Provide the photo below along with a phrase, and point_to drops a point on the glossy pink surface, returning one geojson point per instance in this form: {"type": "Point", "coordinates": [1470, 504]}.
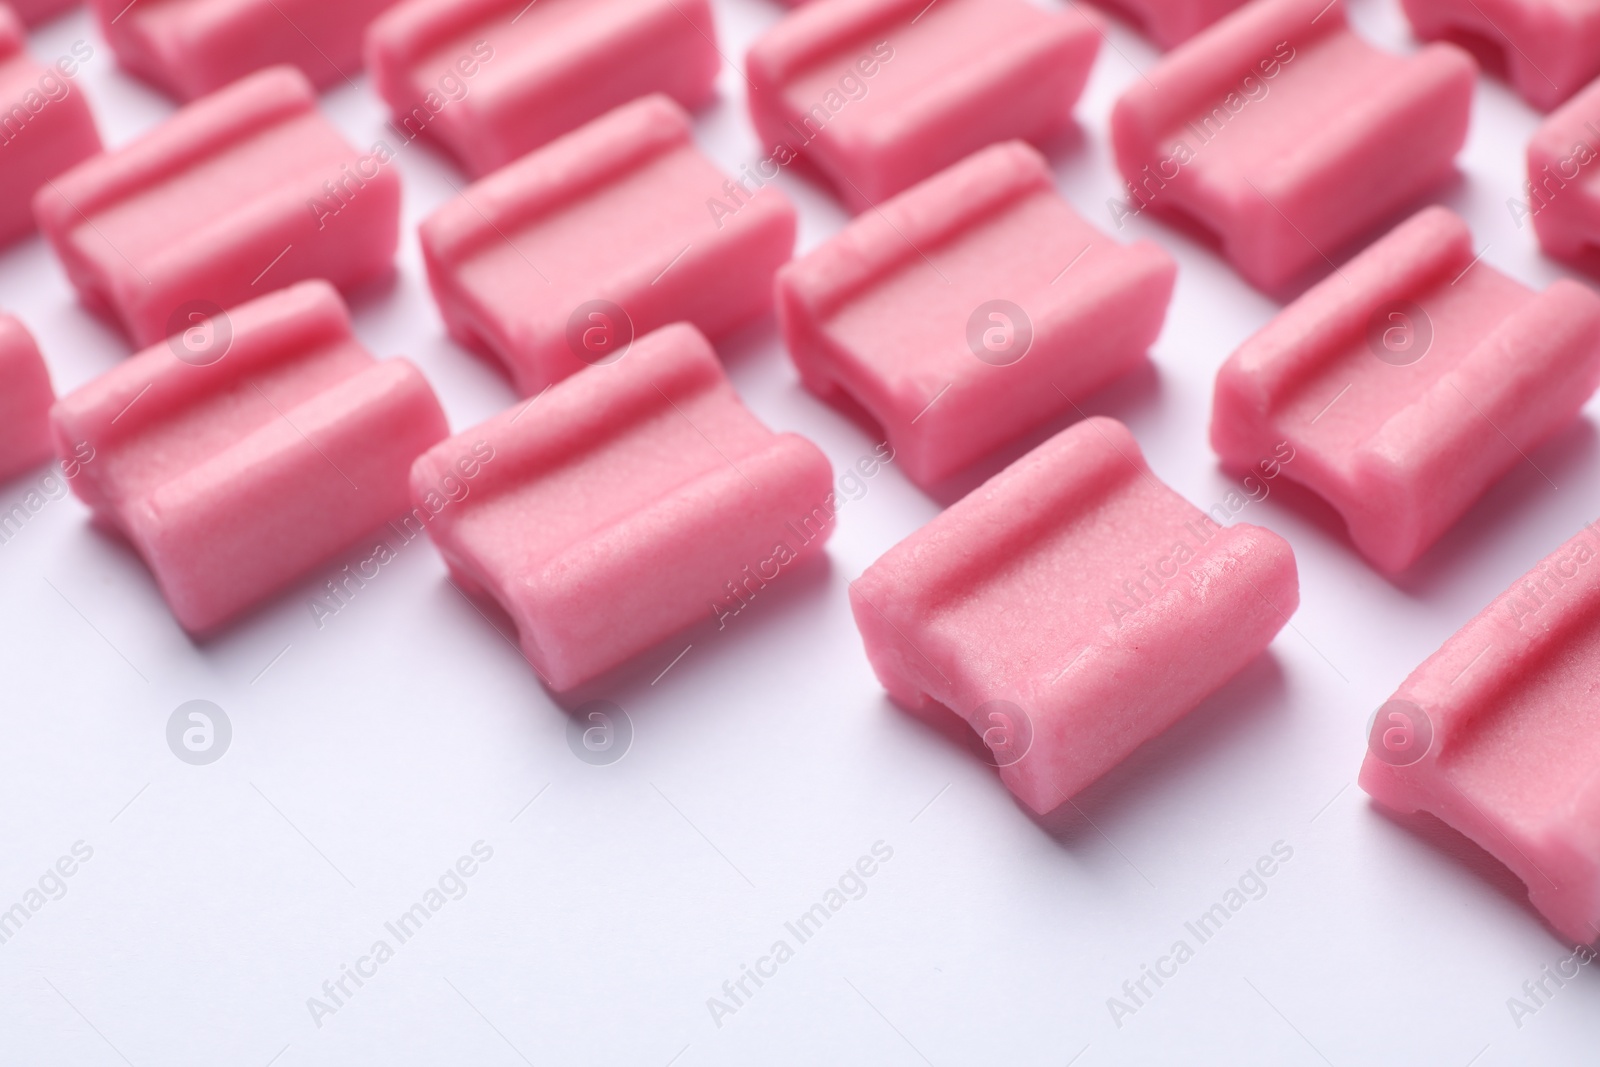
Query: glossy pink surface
{"type": "Point", "coordinates": [1409, 382]}
{"type": "Point", "coordinates": [25, 399]}
{"type": "Point", "coordinates": [490, 80]}
{"type": "Point", "coordinates": [901, 311]}
{"type": "Point", "coordinates": [1498, 734]}
{"type": "Point", "coordinates": [240, 193]}
{"type": "Point", "coordinates": [239, 455]}
{"type": "Point", "coordinates": [1071, 608]}
{"type": "Point", "coordinates": [1287, 136]}
{"type": "Point", "coordinates": [603, 235]}
{"type": "Point", "coordinates": [875, 95]}
{"type": "Point", "coordinates": [630, 501]}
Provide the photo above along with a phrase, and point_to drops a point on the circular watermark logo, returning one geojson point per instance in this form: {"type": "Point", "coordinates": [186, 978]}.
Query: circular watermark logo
{"type": "Point", "coordinates": [1003, 733]}
{"type": "Point", "coordinates": [599, 732]}
{"type": "Point", "coordinates": [199, 732]}
{"type": "Point", "coordinates": [999, 332]}
{"type": "Point", "coordinates": [599, 332]}
{"type": "Point", "coordinates": [1400, 733]}
{"type": "Point", "coordinates": [1399, 332]}
{"type": "Point", "coordinates": [199, 332]}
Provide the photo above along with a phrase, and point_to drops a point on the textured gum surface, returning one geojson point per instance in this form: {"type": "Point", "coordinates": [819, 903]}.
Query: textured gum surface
{"type": "Point", "coordinates": [245, 191]}
{"type": "Point", "coordinates": [1171, 22]}
{"type": "Point", "coordinates": [1549, 49]}
{"type": "Point", "coordinates": [868, 314]}
{"type": "Point", "coordinates": [1514, 759]}
{"type": "Point", "coordinates": [1057, 583]}
{"type": "Point", "coordinates": [45, 129]}
{"type": "Point", "coordinates": [188, 48]}
{"type": "Point", "coordinates": [33, 12]}
{"type": "Point", "coordinates": [628, 502]}
{"type": "Point", "coordinates": [946, 79]}
{"type": "Point", "coordinates": [615, 211]}
{"type": "Point", "coordinates": [234, 477]}
{"type": "Point", "coordinates": [1403, 450]}
{"type": "Point", "coordinates": [1563, 199]}
{"type": "Point", "coordinates": [491, 80]}
{"type": "Point", "coordinates": [25, 399]}
{"type": "Point", "coordinates": [1287, 136]}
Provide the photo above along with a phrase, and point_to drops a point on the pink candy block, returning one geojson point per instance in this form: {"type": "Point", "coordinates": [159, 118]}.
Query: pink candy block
{"type": "Point", "coordinates": [1070, 609]}
{"type": "Point", "coordinates": [45, 125]}
{"type": "Point", "coordinates": [970, 308]}
{"type": "Point", "coordinates": [607, 233]}
{"type": "Point", "coordinates": [234, 476]}
{"type": "Point", "coordinates": [25, 399]}
{"type": "Point", "coordinates": [33, 12]}
{"type": "Point", "coordinates": [188, 48]}
{"type": "Point", "coordinates": [1498, 735]}
{"type": "Point", "coordinates": [630, 501]}
{"type": "Point", "coordinates": [1409, 382]}
{"type": "Point", "coordinates": [1288, 136]}
{"type": "Point", "coordinates": [1171, 22]}
{"type": "Point", "coordinates": [245, 191]}
{"type": "Point", "coordinates": [878, 94]}
{"type": "Point", "coordinates": [1561, 195]}
{"type": "Point", "coordinates": [490, 80]}
{"type": "Point", "coordinates": [1548, 48]}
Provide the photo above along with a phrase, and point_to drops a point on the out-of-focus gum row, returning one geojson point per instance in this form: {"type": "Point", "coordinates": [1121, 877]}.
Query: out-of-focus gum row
{"type": "Point", "coordinates": [1071, 607]}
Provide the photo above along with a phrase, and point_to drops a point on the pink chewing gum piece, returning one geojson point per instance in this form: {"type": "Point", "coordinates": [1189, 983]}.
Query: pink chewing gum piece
{"type": "Point", "coordinates": [970, 309]}
{"type": "Point", "coordinates": [25, 399]}
{"type": "Point", "coordinates": [559, 260]}
{"type": "Point", "coordinates": [1498, 735]}
{"type": "Point", "coordinates": [33, 12]}
{"type": "Point", "coordinates": [1171, 22]}
{"type": "Point", "coordinates": [1562, 196]}
{"type": "Point", "coordinates": [240, 454]}
{"type": "Point", "coordinates": [245, 191]}
{"type": "Point", "coordinates": [1548, 49]}
{"type": "Point", "coordinates": [1287, 136]}
{"type": "Point", "coordinates": [45, 128]}
{"type": "Point", "coordinates": [491, 80]}
{"type": "Point", "coordinates": [1070, 609]}
{"type": "Point", "coordinates": [631, 501]}
{"type": "Point", "coordinates": [188, 48]}
{"type": "Point", "coordinates": [876, 95]}
{"type": "Point", "coordinates": [1409, 383]}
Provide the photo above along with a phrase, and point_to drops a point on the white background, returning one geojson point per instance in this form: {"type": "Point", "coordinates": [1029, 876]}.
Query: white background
{"type": "Point", "coordinates": [378, 749]}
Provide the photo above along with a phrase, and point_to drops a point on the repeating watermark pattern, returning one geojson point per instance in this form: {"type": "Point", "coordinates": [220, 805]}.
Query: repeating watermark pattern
{"type": "Point", "coordinates": [599, 332]}
{"type": "Point", "coordinates": [850, 486]}
{"type": "Point", "coordinates": [1003, 734]}
{"type": "Point", "coordinates": [199, 332]}
{"type": "Point", "coordinates": [452, 88]}
{"type": "Point", "coordinates": [199, 732]}
{"type": "Point", "coordinates": [1399, 332]}
{"type": "Point", "coordinates": [341, 590]}
{"type": "Point", "coordinates": [599, 733]}
{"type": "Point", "coordinates": [999, 332]}
{"type": "Point", "coordinates": [337, 992]}
{"type": "Point", "coordinates": [1400, 733]}
{"type": "Point", "coordinates": [1137, 992]}
{"type": "Point", "coordinates": [736, 993]}
{"type": "Point", "coordinates": [53, 86]}
{"type": "Point", "coordinates": [1538, 992]}
{"type": "Point", "coordinates": [1136, 592]}
{"type": "Point", "coordinates": [1202, 131]}
{"type": "Point", "coordinates": [51, 486]}
{"type": "Point", "coordinates": [51, 885]}
{"type": "Point", "coordinates": [851, 86]}
{"type": "Point", "coordinates": [1538, 194]}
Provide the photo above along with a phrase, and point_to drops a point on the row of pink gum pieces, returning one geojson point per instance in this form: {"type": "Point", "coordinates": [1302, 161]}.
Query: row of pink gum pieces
{"type": "Point", "coordinates": [819, 310]}
{"type": "Point", "coordinates": [846, 89]}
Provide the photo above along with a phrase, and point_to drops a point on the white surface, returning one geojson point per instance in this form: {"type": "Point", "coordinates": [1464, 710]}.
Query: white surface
{"type": "Point", "coordinates": [379, 748]}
